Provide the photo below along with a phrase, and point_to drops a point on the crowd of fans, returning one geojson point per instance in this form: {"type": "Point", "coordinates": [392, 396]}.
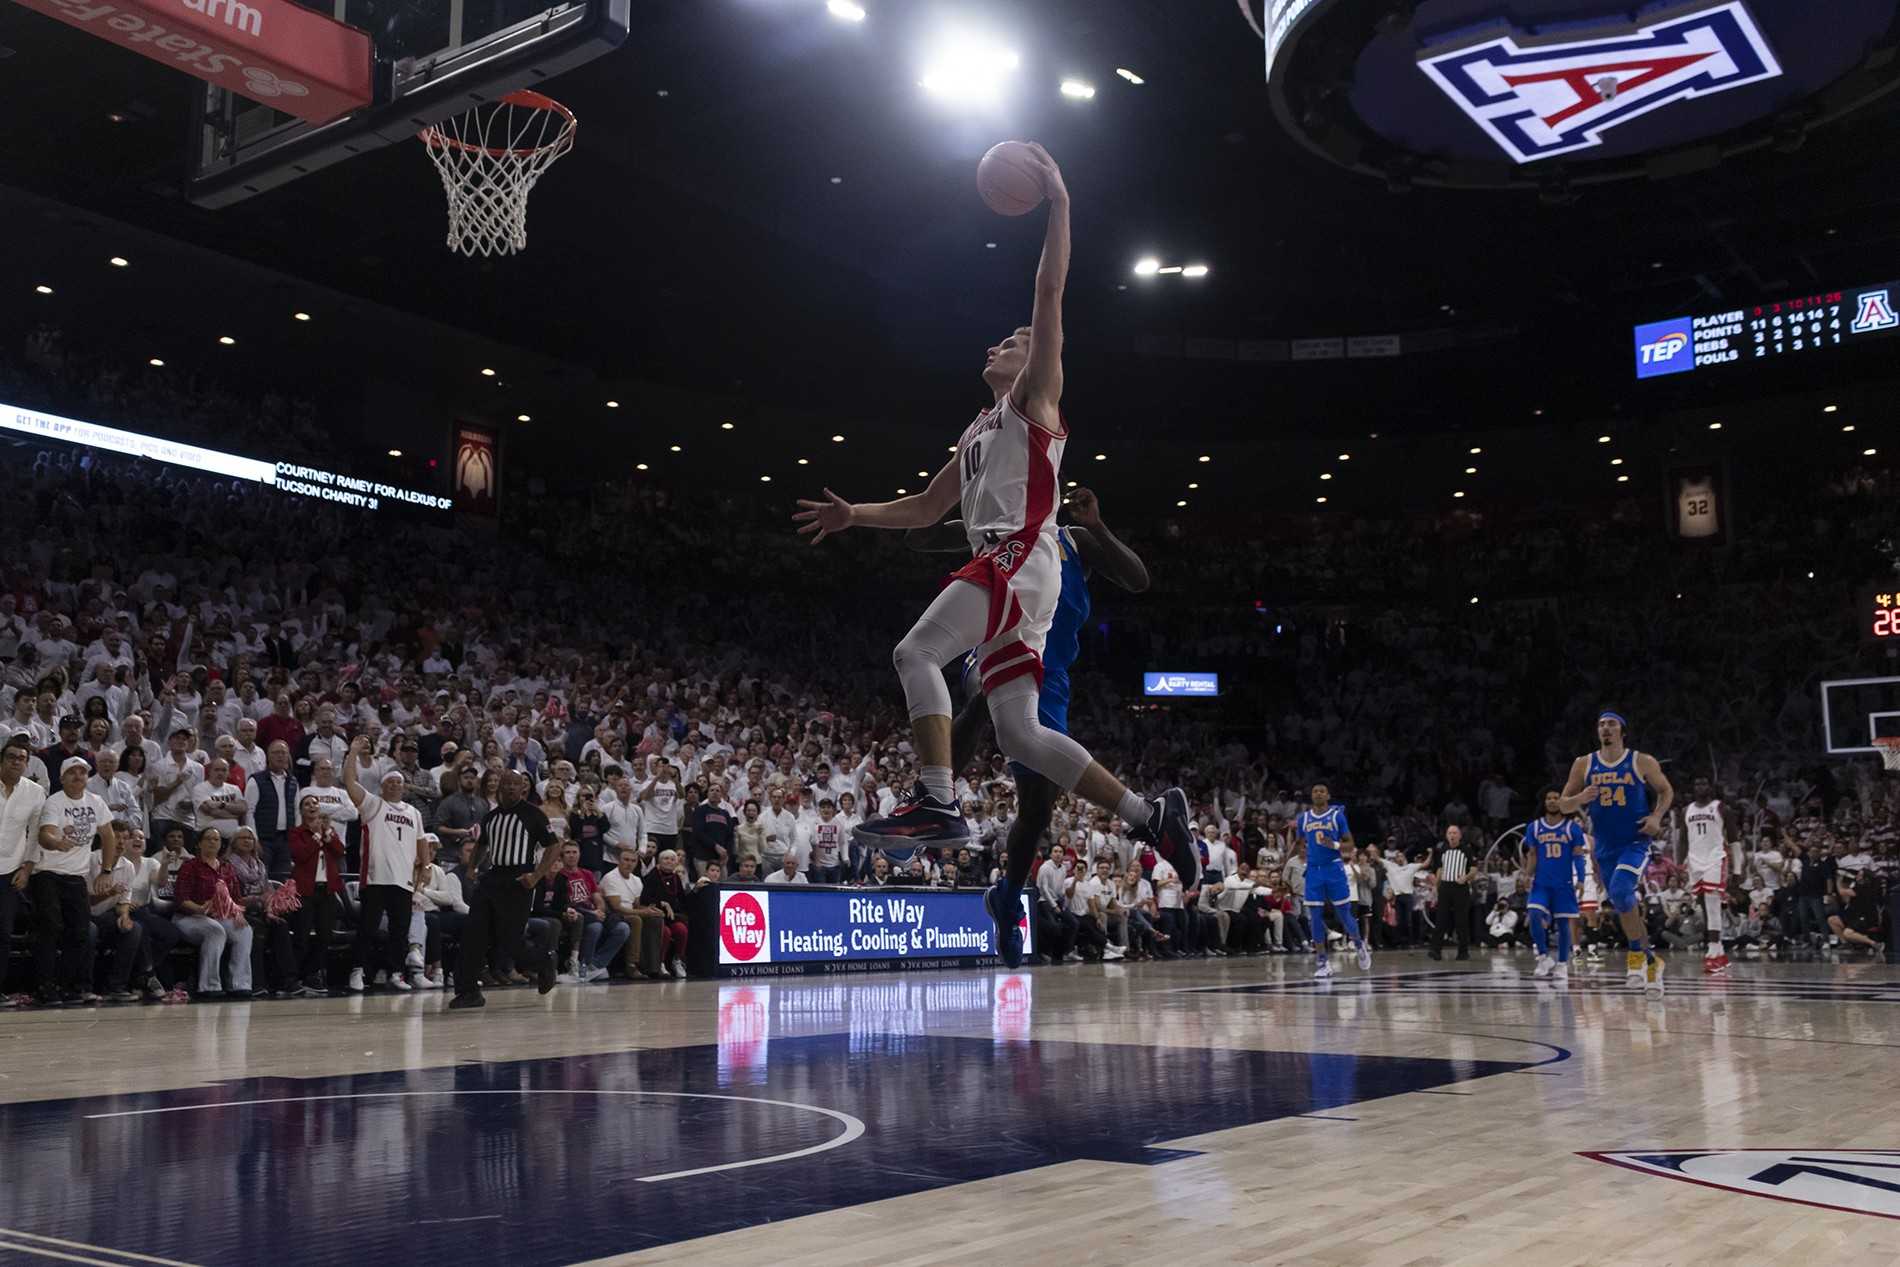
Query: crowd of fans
{"type": "Point", "coordinates": [228, 668]}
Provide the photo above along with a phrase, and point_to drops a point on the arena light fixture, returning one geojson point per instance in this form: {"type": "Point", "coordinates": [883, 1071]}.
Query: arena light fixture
{"type": "Point", "coordinates": [639, 466]}
{"type": "Point", "coordinates": [1471, 470]}
{"type": "Point", "coordinates": [1474, 600]}
{"type": "Point", "coordinates": [903, 492]}
{"type": "Point", "coordinates": [1319, 501]}
{"type": "Point", "coordinates": [523, 418]}
{"type": "Point", "coordinates": [1715, 426]}
{"type": "Point", "coordinates": [118, 261]}
{"type": "Point", "coordinates": [1622, 479]}
{"type": "Point", "coordinates": [613, 404]}
{"type": "Point", "coordinates": [673, 448]}
{"type": "Point", "coordinates": [923, 475]}
{"type": "Point", "coordinates": [1206, 457]}
{"type": "Point", "coordinates": [1169, 271]}
{"type": "Point", "coordinates": [1475, 450]}
{"type": "Point", "coordinates": [1192, 486]}
{"type": "Point", "coordinates": [837, 439]}
{"type": "Point", "coordinates": [1326, 475]}
{"type": "Point", "coordinates": [1345, 457]}
{"type": "Point", "coordinates": [395, 453]}
{"type": "Point", "coordinates": [1810, 576]}
{"type": "Point", "coordinates": [725, 426]}
{"type": "Point", "coordinates": [1101, 457]}
{"type": "Point", "coordinates": [1078, 90]}
{"type": "Point", "coordinates": [1130, 76]}
{"type": "Point", "coordinates": [155, 362]}
{"type": "Point", "coordinates": [1459, 493]}
{"type": "Point", "coordinates": [765, 479]}
{"type": "Point", "coordinates": [804, 461]}
{"type": "Point", "coordinates": [1848, 427]}
{"type": "Point", "coordinates": [487, 373]}
{"type": "Point", "coordinates": [300, 316]}
{"type": "Point", "coordinates": [844, 10]}
{"type": "Point", "coordinates": [1616, 461]}
{"type": "Point", "coordinates": [43, 289]}
{"type": "Point", "coordinates": [1828, 409]}
{"type": "Point", "coordinates": [1867, 453]}
{"type": "Point", "coordinates": [1603, 439]}
{"type": "Point", "coordinates": [837, 180]}
{"type": "Point", "coordinates": [227, 340]}
{"type": "Point", "coordinates": [1194, 270]}
{"type": "Point", "coordinates": [1071, 483]}
{"type": "Point", "coordinates": [1180, 504]}
{"type": "Point", "coordinates": [1148, 266]}
{"type": "Point", "coordinates": [968, 70]}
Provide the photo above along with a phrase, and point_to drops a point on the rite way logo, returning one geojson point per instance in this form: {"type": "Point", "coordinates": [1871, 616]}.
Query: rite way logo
{"type": "Point", "coordinates": [742, 926]}
{"type": "Point", "coordinates": [1539, 98]}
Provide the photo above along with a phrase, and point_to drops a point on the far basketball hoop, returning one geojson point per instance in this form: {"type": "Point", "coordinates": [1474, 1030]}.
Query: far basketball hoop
{"type": "Point", "coordinates": [489, 159]}
{"type": "Point", "coordinates": [1889, 752]}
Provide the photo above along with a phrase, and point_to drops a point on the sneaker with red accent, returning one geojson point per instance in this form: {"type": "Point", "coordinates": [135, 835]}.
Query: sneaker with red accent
{"type": "Point", "coordinates": [919, 819]}
{"type": "Point", "coordinates": [1715, 966]}
{"type": "Point", "coordinates": [1171, 832]}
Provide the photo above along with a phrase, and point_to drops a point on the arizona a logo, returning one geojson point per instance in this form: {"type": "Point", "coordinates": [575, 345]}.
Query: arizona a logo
{"type": "Point", "coordinates": [1539, 98]}
{"type": "Point", "coordinates": [1874, 312]}
{"type": "Point", "coordinates": [1855, 1180]}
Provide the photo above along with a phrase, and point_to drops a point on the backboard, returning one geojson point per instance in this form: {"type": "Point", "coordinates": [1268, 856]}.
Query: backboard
{"type": "Point", "coordinates": [1856, 711]}
{"type": "Point", "coordinates": [432, 59]}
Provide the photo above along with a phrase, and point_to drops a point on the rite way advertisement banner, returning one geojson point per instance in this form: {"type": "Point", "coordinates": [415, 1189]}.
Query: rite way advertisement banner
{"type": "Point", "coordinates": [798, 924]}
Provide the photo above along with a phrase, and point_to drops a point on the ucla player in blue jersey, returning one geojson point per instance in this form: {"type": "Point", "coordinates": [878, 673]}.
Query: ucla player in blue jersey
{"type": "Point", "coordinates": [1554, 866]}
{"type": "Point", "coordinates": [1086, 546]}
{"type": "Point", "coordinates": [1627, 798]}
{"type": "Point", "coordinates": [1328, 844]}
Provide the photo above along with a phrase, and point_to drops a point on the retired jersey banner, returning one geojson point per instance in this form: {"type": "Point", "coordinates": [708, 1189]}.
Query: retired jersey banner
{"type": "Point", "coordinates": [476, 472]}
{"type": "Point", "coordinates": [806, 928]}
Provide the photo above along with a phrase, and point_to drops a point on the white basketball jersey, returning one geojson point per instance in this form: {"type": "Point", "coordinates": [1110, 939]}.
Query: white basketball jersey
{"type": "Point", "coordinates": [1704, 826]}
{"type": "Point", "coordinates": [1008, 467]}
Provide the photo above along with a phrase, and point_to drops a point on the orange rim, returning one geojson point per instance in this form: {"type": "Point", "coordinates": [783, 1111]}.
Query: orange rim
{"type": "Point", "coordinates": [527, 99]}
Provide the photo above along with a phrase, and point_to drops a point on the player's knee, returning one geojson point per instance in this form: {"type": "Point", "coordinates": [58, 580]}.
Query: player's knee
{"type": "Point", "coordinates": [1622, 891]}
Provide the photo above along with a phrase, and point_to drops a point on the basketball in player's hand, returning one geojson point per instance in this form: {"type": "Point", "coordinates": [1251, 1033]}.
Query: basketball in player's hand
{"type": "Point", "coordinates": [1009, 179]}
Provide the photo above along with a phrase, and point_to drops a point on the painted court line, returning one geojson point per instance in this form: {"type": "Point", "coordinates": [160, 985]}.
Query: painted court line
{"type": "Point", "coordinates": [853, 1126]}
{"type": "Point", "coordinates": [10, 1238]}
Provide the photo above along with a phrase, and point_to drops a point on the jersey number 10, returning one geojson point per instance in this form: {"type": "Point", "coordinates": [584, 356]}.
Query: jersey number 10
{"type": "Point", "coordinates": [972, 460]}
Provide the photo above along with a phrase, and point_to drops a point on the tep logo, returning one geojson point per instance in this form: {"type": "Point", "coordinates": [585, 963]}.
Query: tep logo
{"type": "Point", "coordinates": [1665, 347]}
{"type": "Point", "coordinates": [1540, 96]}
{"type": "Point", "coordinates": [742, 927]}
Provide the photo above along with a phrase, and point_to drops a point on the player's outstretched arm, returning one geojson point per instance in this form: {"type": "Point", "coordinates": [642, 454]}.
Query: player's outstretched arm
{"type": "Point", "coordinates": [1650, 772]}
{"type": "Point", "coordinates": [1102, 551]}
{"type": "Point", "coordinates": [1577, 791]}
{"type": "Point", "coordinates": [819, 520]}
{"type": "Point", "coordinates": [1038, 390]}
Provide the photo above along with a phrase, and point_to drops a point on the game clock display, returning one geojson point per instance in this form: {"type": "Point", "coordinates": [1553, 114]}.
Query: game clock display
{"type": "Point", "coordinates": [1880, 616]}
{"type": "Point", "coordinates": [1760, 332]}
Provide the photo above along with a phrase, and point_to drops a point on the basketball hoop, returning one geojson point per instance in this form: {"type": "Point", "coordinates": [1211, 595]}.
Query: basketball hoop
{"type": "Point", "coordinates": [489, 159]}
{"type": "Point", "coordinates": [1889, 752]}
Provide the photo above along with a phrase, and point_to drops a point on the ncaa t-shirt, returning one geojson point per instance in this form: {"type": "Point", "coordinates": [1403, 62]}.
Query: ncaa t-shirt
{"type": "Point", "coordinates": [78, 819]}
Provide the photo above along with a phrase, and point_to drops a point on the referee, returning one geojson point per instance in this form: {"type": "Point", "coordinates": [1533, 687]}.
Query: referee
{"type": "Point", "coordinates": [516, 847]}
{"type": "Point", "coordinates": [1453, 867]}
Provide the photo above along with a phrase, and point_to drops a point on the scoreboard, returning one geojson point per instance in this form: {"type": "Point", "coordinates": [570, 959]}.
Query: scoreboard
{"type": "Point", "coordinates": [1880, 615]}
{"type": "Point", "coordinates": [1794, 326]}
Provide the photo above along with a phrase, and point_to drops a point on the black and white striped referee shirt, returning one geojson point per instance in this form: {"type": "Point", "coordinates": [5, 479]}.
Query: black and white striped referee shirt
{"type": "Point", "coordinates": [514, 836]}
{"type": "Point", "coordinates": [1453, 865]}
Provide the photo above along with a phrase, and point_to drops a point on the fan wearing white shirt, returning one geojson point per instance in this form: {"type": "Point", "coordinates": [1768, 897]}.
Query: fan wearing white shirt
{"type": "Point", "coordinates": [393, 850]}
{"type": "Point", "coordinates": [788, 872]}
{"type": "Point", "coordinates": [1057, 925]}
{"type": "Point", "coordinates": [1088, 902]}
{"type": "Point", "coordinates": [21, 803]}
{"type": "Point", "coordinates": [114, 928]}
{"type": "Point", "coordinates": [170, 779]}
{"type": "Point", "coordinates": [61, 855]}
{"type": "Point", "coordinates": [219, 803]}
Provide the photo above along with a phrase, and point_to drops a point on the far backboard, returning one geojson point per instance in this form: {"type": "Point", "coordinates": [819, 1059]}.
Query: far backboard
{"type": "Point", "coordinates": [1857, 711]}
{"type": "Point", "coordinates": [433, 59]}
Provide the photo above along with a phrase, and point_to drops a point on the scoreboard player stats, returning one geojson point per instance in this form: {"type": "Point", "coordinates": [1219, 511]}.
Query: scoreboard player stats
{"type": "Point", "coordinates": [1754, 334]}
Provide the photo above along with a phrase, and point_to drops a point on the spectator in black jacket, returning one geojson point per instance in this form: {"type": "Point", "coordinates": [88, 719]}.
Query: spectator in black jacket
{"type": "Point", "coordinates": [709, 826]}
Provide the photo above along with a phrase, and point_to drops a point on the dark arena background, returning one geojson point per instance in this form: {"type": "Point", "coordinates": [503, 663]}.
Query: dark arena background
{"type": "Point", "coordinates": [517, 664]}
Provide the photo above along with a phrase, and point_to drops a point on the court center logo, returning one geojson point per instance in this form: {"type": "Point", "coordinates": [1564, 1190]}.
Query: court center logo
{"type": "Point", "coordinates": [1665, 347]}
{"type": "Point", "coordinates": [744, 935]}
{"type": "Point", "coordinates": [1857, 1181]}
{"type": "Point", "coordinates": [1542, 97]}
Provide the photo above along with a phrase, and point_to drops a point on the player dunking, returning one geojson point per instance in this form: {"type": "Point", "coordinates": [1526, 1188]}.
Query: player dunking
{"type": "Point", "coordinates": [1553, 861]}
{"type": "Point", "coordinates": [1086, 546]}
{"type": "Point", "coordinates": [1327, 837]}
{"type": "Point", "coordinates": [1005, 473]}
{"type": "Point", "coordinates": [1706, 826]}
{"type": "Point", "coordinates": [1614, 784]}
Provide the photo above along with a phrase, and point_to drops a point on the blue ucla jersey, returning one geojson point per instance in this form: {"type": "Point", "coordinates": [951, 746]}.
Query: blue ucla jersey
{"type": "Point", "coordinates": [1559, 850]}
{"type": "Point", "coordinates": [1622, 802]}
{"type": "Point", "coordinates": [1064, 642]}
{"type": "Point", "coordinates": [1322, 833]}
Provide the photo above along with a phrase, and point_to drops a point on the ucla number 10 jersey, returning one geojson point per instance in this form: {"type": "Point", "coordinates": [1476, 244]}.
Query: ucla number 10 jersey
{"type": "Point", "coordinates": [1559, 850]}
{"type": "Point", "coordinates": [1322, 833]}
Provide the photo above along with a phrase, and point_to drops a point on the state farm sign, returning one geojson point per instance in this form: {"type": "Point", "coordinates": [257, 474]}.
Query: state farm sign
{"type": "Point", "coordinates": [272, 51]}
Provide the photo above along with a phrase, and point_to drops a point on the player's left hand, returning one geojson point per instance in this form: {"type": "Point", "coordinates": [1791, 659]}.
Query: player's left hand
{"type": "Point", "coordinates": [1084, 509]}
{"type": "Point", "coordinates": [823, 518]}
{"type": "Point", "coordinates": [1651, 826]}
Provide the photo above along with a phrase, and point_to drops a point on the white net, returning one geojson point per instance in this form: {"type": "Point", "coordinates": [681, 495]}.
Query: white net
{"type": "Point", "coordinates": [489, 159]}
{"type": "Point", "coordinates": [1889, 752]}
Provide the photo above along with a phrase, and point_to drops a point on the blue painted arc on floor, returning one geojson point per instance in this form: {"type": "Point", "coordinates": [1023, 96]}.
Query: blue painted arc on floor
{"type": "Point", "coordinates": [539, 1162]}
